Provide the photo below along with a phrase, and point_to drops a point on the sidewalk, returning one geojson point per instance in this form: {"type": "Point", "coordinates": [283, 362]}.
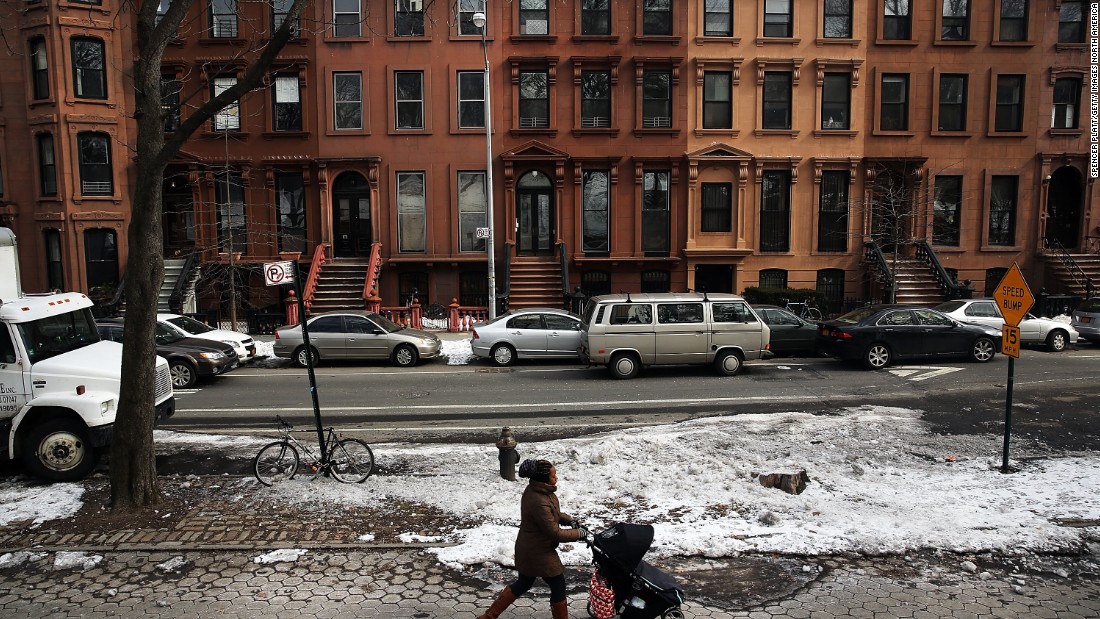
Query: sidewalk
{"type": "Point", "coordinates": [215, 548]}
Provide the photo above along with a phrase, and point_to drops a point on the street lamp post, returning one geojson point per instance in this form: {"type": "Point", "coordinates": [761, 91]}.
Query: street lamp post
{"type": "Point", "coordinates": [480, 21]}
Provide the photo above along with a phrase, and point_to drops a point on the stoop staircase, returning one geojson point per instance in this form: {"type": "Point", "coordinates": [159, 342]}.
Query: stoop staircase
{"type": "Point", "coordinates": [1072, 280]}
{"type": "Point", "coordinates": [534, 283]}
{"type": "Point", "coordinates": [340, 286]}
{"type": "Point", "coordinates": [173, 270]}
{"type": "Point", "coordinates": [916, 284]}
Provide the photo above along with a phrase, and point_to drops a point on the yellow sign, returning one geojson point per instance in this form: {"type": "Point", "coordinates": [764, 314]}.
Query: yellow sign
{"type": "Point", "coordinates": [1010, 341]}
{"type": "Point", "coordinates": [1013, 296]}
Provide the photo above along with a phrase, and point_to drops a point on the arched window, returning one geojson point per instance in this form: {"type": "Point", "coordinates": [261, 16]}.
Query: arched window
{"type": "Point", "coordinates": [773, 278]}
{"type": "Point", "coordinates": [96, 178]}
{"type": "Point", "coordinates": [830, 282]}
{"type": "Point", "coordinates": [992, 278]}
{"type": "Point", "coordinates": [89, 68]}
{"type": "Point", "coordinates": [656, 281]}
{"type": "Point", "coordinates": [595, 283]}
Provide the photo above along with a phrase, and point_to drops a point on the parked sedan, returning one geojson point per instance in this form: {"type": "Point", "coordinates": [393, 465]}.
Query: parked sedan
{"type": "Point", "coordinates": [1086, 319]}
{"type": "Point", "coordinates": [356, 335]}
{"type": "Point", "coordinates": [878, 335]}
{"type": "Point", "coordinates": [189, 327]}
{"type": "Point", "coordinates": [536, 333]}
{"type": "Point", "coordinates": [791, 335]}
{"type": "Point", "coordinates": [189, 358]}
{"type": "Point", "coordinates": [1053, 334]}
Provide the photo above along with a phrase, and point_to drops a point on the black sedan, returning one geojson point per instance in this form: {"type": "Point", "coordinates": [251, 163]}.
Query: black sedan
{"type": "Point", "coordinates": [790, 334]}
{"type": "Point", "coordinates": [189, 358]}
{"type": "Point", "coordinates": [877, 335]}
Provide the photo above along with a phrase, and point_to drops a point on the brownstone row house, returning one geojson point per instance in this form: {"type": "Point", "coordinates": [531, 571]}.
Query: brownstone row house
{"type": "Point", "coordinates": [637, 145]}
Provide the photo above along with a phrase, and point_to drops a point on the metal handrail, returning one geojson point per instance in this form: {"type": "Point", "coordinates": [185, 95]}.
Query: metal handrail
{"type": "Point", "coordinates": [563, 258]}
{"type": "Point", "coordinates": [314, 273]}
{"type": "Point", "coordinates": [951, 288]}
{"type": "Point", "coordinates": [175, 300]}
{"type": "Point", "coordinates": [1075, 271]}
{"type": "Point", "coordinates": [873, 254]}
{"type": "Point", "coordinates": [506, 289]}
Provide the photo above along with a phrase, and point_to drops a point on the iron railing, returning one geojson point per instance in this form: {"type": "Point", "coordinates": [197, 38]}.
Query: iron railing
{"type": "Point", "coordinates": [951, 288]}
{"type": "Point", "coordinates": [1082, 279]}
{"type": "Point", "coordinates": [873, 255]}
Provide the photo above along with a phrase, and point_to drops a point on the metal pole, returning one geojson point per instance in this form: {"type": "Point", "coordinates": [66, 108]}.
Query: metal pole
{"type": "Point", "coordinates": [490, 251]}
{"type": "Point", "coordinates": [1008, 413]}
{"type": "Point", "coordinates": [309, 364]}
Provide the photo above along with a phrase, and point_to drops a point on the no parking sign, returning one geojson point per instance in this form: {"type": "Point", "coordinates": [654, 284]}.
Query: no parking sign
{"type": "Point", "coordinates": [278, 273]}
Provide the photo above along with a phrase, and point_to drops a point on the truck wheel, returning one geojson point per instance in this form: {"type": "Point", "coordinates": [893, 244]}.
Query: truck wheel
{"type": "Point", "coordinates": [624, 366]}
{"type": "Point", "coordinates": [59, 450]}
{"type": "Point", "coordinates": [184, 375]}
{"type": "Point", "coordinates": [728, 363]}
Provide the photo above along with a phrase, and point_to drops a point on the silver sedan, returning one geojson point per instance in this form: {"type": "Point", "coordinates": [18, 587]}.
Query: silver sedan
{"type": "Point", "coordinates": [356, 335]}
{"type": "Point", "coordinates": [535, 333]}
{"type": "Point", "coordinates": [1053, 334]}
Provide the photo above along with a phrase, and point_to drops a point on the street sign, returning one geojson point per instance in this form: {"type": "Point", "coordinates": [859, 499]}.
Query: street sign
{"type": "Point", "coordinates": [482, 233]}
{"type": "Point", "coordinates": [1010, 341]}
{"type": "Point", "coordinates": [1013, 296]}
{"type": "Point", "coordinates": [278, 273]}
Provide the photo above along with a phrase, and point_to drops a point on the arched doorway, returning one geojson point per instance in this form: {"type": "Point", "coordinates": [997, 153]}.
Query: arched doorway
{"type": "Point", "coordinates": [351, 220]}
{"type": "Point", "coordinates": [535, 215]}
{"type": "Point", "coordinates": [1064, 206]}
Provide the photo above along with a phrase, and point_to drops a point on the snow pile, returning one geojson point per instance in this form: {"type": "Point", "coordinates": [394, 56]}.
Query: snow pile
{"type": "Point", "coordinates": [457, 352]}
{"type": "Point", "coordinates": [36, 502]}
{"type": "Point", "coordinates": [83, 561]}
{"type": "Point", "coordinates": [282, 555]}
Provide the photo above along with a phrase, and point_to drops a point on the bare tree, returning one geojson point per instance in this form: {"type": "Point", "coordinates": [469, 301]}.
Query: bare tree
{"type": "Point", "coordinates": [133, 466]}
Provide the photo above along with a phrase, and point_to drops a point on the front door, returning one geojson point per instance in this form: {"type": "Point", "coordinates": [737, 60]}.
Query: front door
{"type": "Point", "coordinates": [534, 215]}
{"type": "Point", "coordinates": [351, 216]}
{"type": "Point", "coordinates": [1064, 207]}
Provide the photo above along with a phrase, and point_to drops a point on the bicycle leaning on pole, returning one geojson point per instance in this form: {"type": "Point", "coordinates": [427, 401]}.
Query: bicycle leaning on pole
{"type": "Point", "coordinates": [349, 460]}
{"type": "Point", "coordinates": [804, 310]}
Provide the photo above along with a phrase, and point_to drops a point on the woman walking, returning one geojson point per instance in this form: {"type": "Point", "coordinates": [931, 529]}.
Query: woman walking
{"type": "Point", "coordinates": [540, 533]}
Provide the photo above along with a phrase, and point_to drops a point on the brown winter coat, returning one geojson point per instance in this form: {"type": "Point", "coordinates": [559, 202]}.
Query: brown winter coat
{"type": "Point", "coordinates": [540, 532]}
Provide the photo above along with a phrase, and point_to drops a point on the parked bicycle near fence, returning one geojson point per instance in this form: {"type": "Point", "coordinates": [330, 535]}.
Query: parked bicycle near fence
{"type": "Point", "coordinates": [804, 310]}
{"type": "Point", "coordinates": [349, 460]}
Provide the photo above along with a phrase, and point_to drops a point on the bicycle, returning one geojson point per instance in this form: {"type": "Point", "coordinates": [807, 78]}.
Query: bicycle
{"type": "Point", "coordinates": [803, 310]}
{"type": "Point", "coordinates": [349, 460]}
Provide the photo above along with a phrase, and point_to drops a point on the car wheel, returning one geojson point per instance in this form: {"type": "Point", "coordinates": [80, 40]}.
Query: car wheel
{"type": "Point", "coordinates": [624, 366]}
{"type": "Point", "coordinates": [983, 350]}
{"type": "Point", "coordinates": [1057, 340]}
{"type": "Point", "coordinates": [404, 356]}
{"type": "Point", "coordinates": [184, 375]}
{"type": "Point", "coordinates": [728, 363]}
{"type": "Point", "coordinates": [503, 355]}
{"type": "Point", "coordinates": [300, 357]}
{"type": "Point", "coordinates": [59, 450]}
{"type": "Point", "coordinates": [877, 356]}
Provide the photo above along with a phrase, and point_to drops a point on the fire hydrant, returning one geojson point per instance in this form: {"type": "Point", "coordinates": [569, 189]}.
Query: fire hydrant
{"type": "Point", "coordinates": [509, 457]}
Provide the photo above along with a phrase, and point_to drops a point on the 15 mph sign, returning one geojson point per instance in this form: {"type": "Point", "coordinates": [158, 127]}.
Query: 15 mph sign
{"type": "Point", "coordinates": [278, 273]}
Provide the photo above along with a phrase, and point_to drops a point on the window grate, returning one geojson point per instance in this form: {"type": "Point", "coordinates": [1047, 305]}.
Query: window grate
{"type": "Point", "coordinates": [91, 188]}
{"type": "Point", "coordinates": [534, 122]}
{"type": "Point", "coordinates": [596, 121]}
{"type": "Point", "coordinates": [657, 121]}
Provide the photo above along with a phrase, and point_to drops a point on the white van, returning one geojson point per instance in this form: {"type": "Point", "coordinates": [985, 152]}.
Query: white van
{"type": "Point", "coordinates": [628, 331]}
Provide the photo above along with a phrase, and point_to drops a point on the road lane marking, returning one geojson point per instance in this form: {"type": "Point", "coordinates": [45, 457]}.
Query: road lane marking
{"type": "Point", "coordinates": [924, 372]}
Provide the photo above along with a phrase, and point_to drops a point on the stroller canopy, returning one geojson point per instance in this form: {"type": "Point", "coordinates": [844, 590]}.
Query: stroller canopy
{"type": "Point", "coordinates": [626, 543]}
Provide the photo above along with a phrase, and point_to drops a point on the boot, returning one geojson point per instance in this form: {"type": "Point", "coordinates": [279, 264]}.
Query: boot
{"type": "Point", "coordinates": [503, 601]}
{"type": "Point", "coordinates": [560, 610]}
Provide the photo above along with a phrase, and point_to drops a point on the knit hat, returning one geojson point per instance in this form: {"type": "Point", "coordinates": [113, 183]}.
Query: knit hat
{"type": "Point", "coordinates": [536, 470]}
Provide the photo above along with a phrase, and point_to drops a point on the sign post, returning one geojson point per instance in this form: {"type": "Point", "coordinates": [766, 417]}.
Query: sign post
{"type": "Point", "coordinates": [277, 274]}
{"type": "Point", "coordinates": [1014, 299]}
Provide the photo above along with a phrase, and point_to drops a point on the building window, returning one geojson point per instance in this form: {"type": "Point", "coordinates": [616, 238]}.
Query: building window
{"type": "Point", "coordinates": [346, 21]}
{"type": "Point", "coordinates": [472, 211]}
{"type": "Point", "coordinates": [656, 17]}
{"type": "Point", "coordinates": [716, 209]}
{"type": "Point", "coordinates": [896, 20]}
{"type": "Point", "coordinates": [473, 289]}
{"type": "Point", "coordinates": [778, 18]}
{"type": "Point", "coordinates": [280, 9]}
{"type": "Point", "coordinates": [471, 99]}
{"type": "Point", "coordinates": [290, 199]}
{"type": "Point", "coordinates": [775, 211]}
{"type": "Point", "coordinates": [408, 18]}
{"type": "Point", "coordinates": [1013, 20]}
{"type": "Point", "coordinates": [718, 18]}
{"type": "Point", "coordinates": [1067, 97]}
{"type": "Point", "coordinates": [1002, 210]}
{"type": "Point", "coordinates": [956, 20]}
{"type": "Point", "coordinates": [89, 68]}
{"type": "Point", "coordinates": [992, 278]}
{"type": "Point", "coordinates": [655, 211]}
{"type": "Point", "coordinates": [223, 19]}
{"type": "Point", "coordinates": [595, 99]}
{"type": "Point", "coordinates": [656, 99]}
{"type": "Point", "coordinates": [777, 100]}
{"type": "Point", "coordinates": [170, 89]}
{"type": "Point", "coordinates": [466, 10]}
{"type": "Point", "coordinates": [47, 165]}
{"type": "Point", "coordinates": [717, 100]}
{"type": "Point", "coordinates": [773, 278]}
{"type": "Point", "coordinates": [1071, 22]}
{"type": "Point", "coordinates": [595, 283]}
{"type": "Point", "coordinates": [894, 113]}
{"type": "Point", "coordinates": [287, 99]}
{"type": "Point", "coordinates": [656, 282]}
{"type": "Point", "coordinates": [534, 16]}
{"type": "Point", "coordinates": [229, 118]}
{"type": "Point", "coordinates": [101, 259]}
{"type": "Point", "coordinates": [830, 283]}
{"type": "Point", "coordinates": [838, 19]}
{"type": "Point", "coordinates": [40, 72]}
{"type": "Point", "coordinates": [1010, 103]}
{"type": "Point", "coordinates": [952, 112]}
{"type": "Point", "coordinates": [409, 98]}
{"type": "Point", "coordinates": [412, 285]}
{"type": "Point", "coordinates": [596, 198]}
{"type": "Point", "coordinates": [347, 90]}
{"type": "Point", "coordinates": [947, 210]}
{"type": "Point", "coordinates": [411, 213]}
{"type": "Point", "coordinates": [832, 218]}
{"type": "Point", "coordinates": [534, 99]}
{"type": "Point", "coordinates": [232, 226]}
{"type": "Point", "coordinates": [96, 178]}
{"type": "Point", "coordinates": [55, 273]}
{"type": "Point", "coordinates": [596, 17]}
{"type": "Point", "coordinates": [836, 95]}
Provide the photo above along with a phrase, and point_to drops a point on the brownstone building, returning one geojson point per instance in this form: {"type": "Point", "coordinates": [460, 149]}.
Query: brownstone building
{"type": "Point", "coordinates": [638, 145]}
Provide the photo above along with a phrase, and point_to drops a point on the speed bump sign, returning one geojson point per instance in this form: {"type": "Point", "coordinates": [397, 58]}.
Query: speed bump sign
{"type": "Point", "coordinates": [1013, 297]}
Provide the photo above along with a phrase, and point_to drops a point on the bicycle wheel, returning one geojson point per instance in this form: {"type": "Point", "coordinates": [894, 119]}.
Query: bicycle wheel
{"type": "Point", "coordinates": [812, 313]}
{"type": "Point", "coordinates": [277, 461]}
{"type": "Point", "coordinates": [352, 461]}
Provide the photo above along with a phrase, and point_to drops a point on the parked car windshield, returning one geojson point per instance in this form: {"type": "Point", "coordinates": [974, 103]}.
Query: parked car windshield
{"type": "Point", "coordinates": [387, 324]}
{"type": "Point", "coordinates": [857, 316]}
{"type": "Point", "coordinates": [164, 335]}
{"type": "Point", "coordinates": [190, 325]}
{"type": "Point", "coordinates": [949, 306]}
{"type": "Point", "coordinates": [55, 335]}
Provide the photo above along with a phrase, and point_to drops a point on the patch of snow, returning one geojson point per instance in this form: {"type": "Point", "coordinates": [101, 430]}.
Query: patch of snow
{"type": "Point", "coordinates": [409, 538]}
{"type": "Point", "coordinates": [366, 537]}
{"type": "Point", "coordinates": [66, 560]}
{"type": "Point", "coordinates": [457, 352]}
{"type": "Point", "coordinates": [19, 557]}
{"type": "Point", "coordinates": [37, 502]}
{"type": "Point", "coordinates": [172, 565]}
{"type": "Point", "coordinates": [282, 555]}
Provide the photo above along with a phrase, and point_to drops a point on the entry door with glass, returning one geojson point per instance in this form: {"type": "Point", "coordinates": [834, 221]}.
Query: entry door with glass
{"type": "Point", "coordinates": [534, 215]}
{"type": "Point", "coordinates": [352, 221]}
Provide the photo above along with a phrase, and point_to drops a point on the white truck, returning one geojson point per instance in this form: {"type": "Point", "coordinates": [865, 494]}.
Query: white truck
{"type": "Point", "coordinates": [59, 383]}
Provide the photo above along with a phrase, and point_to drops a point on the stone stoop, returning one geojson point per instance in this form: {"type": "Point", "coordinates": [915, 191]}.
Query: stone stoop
{"type": "Point", "coordinates": [534, 284]}
{"type": "Point", "coordinates": [1061, 281]}
{"type": "Point", "coordinates": [340, 286]}
{"type": "Point", "coordinates": [173, 267]}
{"type": "Point", "coordinates": [916, 283]}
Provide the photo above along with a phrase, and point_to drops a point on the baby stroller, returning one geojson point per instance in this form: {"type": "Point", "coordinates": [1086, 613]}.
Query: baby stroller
{"type": "Point", "coordinates": [641, 591]}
